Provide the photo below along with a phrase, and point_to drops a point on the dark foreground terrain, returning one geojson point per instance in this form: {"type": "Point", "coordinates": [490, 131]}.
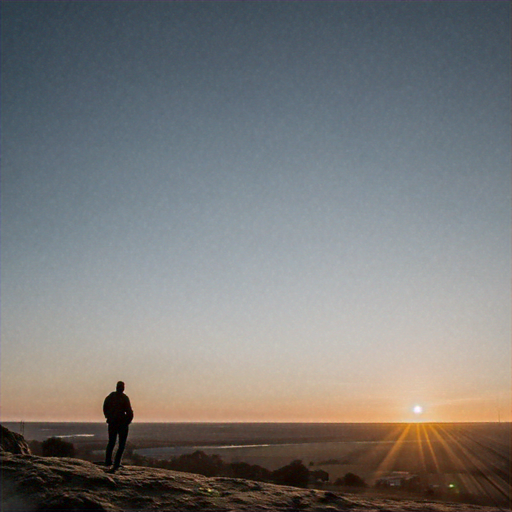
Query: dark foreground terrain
{"type": "Point", "coordinates": [37, 484]}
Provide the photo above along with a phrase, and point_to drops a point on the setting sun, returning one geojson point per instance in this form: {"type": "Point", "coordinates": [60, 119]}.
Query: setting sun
{"type": "Point", "coordinates": [417, 409]}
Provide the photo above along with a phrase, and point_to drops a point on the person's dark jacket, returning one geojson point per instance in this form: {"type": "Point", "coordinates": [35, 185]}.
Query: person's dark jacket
{"type": "Point", "coordinates": [117, 409]}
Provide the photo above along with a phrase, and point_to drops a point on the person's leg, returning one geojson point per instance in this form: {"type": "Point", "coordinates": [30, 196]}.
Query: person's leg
{"type": "Point", "coordinates": [112, 435]}
{"type": "Point", "coordinates": [123, 436]}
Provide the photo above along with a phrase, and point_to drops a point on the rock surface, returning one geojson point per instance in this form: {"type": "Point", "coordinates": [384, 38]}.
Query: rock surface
{"type": "Point", "coordinates": [37, 484]}
{"type": "Point", "coordinates": [12, 442]}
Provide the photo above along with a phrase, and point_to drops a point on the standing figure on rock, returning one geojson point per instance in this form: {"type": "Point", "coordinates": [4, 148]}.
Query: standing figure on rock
{"type": "Point", "coordinates": [119, 414]}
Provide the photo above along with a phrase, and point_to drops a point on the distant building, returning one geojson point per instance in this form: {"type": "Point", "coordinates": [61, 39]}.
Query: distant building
{"type": "Point", "coordinates": [399, 480]}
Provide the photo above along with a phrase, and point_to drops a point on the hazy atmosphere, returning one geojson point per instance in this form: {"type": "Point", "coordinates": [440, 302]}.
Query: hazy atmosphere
{"type": "Point", "coordinates": [256, 211]}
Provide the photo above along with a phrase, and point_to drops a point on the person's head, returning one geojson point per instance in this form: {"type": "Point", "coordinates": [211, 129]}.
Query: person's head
{"type": "Point", "coordinates": [120, 387]}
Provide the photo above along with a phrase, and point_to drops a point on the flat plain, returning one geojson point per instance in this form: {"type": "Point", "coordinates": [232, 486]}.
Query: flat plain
{"type": "Point", "coordinates": [450, 459]}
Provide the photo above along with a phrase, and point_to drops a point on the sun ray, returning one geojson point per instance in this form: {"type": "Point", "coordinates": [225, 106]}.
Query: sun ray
{"type": "Point", "coordinates": [420, 448]}
{"type": "Point", "coordinates": [373, 454]}
{"type": "Point", "coordinates": [456, 463]}
{"type": "Point", "coordinates": [426, 430]}
{"type": "Point", "coordinates": [387, 463]}
{"type": "Point", "coordinates": [491, 478]}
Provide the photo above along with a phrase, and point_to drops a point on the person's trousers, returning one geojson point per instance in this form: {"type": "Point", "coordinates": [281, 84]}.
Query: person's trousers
{"type": "Point", "coordinates": [113, 432]}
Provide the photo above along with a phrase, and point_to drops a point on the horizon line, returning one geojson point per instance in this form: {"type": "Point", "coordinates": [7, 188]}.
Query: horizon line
{"type": "Point", "coordinates": [192, 422]}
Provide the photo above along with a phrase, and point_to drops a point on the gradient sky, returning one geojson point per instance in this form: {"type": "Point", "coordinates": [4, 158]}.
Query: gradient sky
{"type": "Point", "coordinates": [256, 211]}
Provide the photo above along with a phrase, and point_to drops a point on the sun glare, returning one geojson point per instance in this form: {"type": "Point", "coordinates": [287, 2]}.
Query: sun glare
{"type": "Point", "coordinates": [417, 409]}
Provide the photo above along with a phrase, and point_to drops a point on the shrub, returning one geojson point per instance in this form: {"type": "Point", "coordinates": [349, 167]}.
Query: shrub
{"type": "Point", "coordinates": [295, 474]}
{"type": "Point", "coordinates": [351, 480]}
{"type": "Point", "coordinates": [249, 471]}
{"type": "Point", "coordinates": [197, 462]}
{"type": "Point", "coordinates": [319, 476]}
{"type": "Point", "coordinates": [56, 447]}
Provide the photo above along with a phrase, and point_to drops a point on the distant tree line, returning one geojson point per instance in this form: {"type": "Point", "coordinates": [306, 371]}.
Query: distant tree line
{"type": "Point", "coordinates": [295, 474]}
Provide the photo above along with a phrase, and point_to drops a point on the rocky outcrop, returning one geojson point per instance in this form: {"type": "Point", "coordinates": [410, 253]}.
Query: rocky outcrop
{"type": "Point", "coordinates": [37, 484]}
{"type": "Point", "coordinates": [12, 442]}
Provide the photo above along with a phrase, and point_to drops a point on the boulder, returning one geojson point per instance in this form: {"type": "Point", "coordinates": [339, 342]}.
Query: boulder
{"type": "Point", "coordinates": [13, 442]}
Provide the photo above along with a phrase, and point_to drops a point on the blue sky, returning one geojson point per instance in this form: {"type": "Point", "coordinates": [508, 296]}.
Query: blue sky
{"type": "Point", "coordinates": [256, 211]}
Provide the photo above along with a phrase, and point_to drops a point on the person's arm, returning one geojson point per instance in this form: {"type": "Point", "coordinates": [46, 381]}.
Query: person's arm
{"type": "Point", "coordinates": [129, 411]}
{"type": "Point", "coordinates": [106, 407]}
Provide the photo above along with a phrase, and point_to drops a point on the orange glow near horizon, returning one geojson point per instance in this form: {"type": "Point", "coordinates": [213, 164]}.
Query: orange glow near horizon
{"type": "Point", "coordinates": [196, 416]}
{"type": "Point", "coordinates": [41, 401]}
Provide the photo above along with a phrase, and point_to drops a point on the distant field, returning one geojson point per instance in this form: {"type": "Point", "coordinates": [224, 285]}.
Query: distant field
{"type": "Point", "coordinates": [466, 458]}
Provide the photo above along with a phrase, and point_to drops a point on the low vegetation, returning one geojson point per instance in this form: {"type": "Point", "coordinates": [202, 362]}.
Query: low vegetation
{"type": "Point", "coordinates": [351, 480]}
{"type": "Point", "coordinates": [294, 474]}
{"type": "Point", "coordinates": [56, 447]}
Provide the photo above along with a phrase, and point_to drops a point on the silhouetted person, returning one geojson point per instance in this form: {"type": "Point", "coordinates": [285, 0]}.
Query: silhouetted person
{"type": "Point", "coordinates": [119, 414]}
